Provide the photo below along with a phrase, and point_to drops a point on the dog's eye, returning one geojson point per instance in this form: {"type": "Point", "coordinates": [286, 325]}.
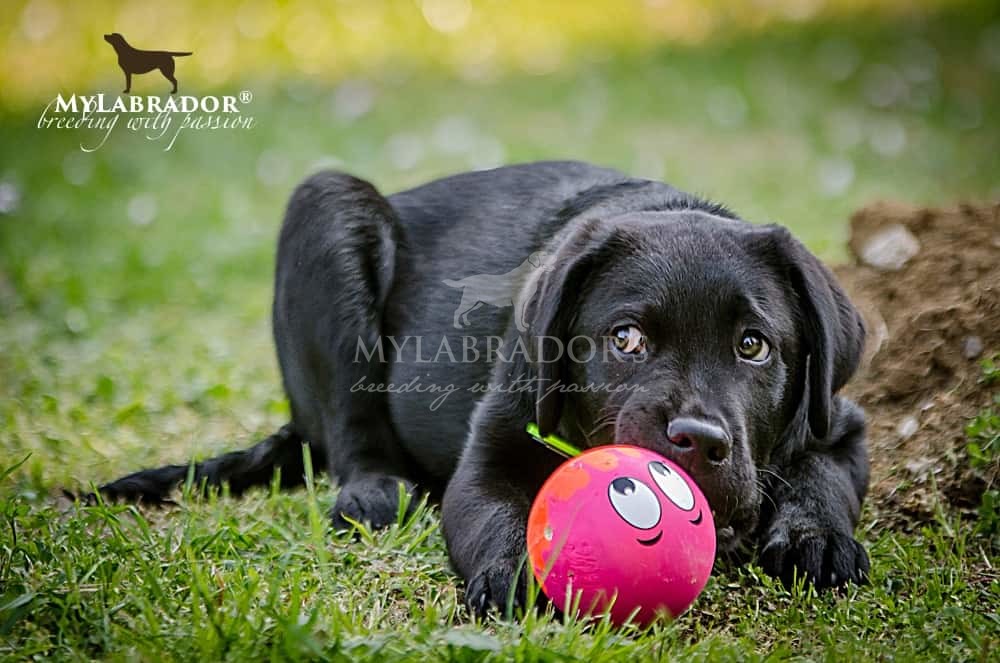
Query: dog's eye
{"type": "Point", "coordinates": [629, 340]}
{"type": "Point", "coordinates": [753, 347]}
{"type": "Point", "coordinates": [635, 502]}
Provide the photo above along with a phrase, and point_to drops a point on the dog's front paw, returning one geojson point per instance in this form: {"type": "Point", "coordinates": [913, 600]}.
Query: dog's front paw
{"type": "Point", "coordinates": [495, 587]}
{"type": "Point", "coordinates": [825, 558]}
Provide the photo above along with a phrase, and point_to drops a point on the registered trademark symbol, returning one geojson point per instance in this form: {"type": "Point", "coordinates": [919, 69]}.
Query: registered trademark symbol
{"type": "Point", "coordinates": [246, 96]}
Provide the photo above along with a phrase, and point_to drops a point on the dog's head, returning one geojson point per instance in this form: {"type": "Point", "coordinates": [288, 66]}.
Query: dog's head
{"type": "Point", "coordinates": [115, 39]}
{"type": "Point", "coordinates": [714, 342]}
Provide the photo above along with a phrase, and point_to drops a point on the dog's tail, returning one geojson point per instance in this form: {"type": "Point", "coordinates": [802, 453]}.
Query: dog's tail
{"type": "Point", "coordinates": [177, 54]}
{"type": "Point", "coordinates": [240, 469]}
{"type": "Point", "coordinates": [453, 284]}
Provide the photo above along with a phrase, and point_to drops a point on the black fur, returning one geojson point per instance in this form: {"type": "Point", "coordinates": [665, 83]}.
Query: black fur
{"type": "Point", "coordinates": [786, 468]}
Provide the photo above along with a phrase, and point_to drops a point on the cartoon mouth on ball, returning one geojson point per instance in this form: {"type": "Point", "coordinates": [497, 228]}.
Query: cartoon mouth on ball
{"type": "Point", "coordinates": [651, 542]}
{"type": "Point", "coordinates": [697, 521]}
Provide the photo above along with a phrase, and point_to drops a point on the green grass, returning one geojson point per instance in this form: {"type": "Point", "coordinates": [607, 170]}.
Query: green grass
{"type": "Point", "coordinates": [250, 579]}
{"type": "Point", "coordinates": [125, 344]}
{"type": "Point", "coordinates": [983, 451]}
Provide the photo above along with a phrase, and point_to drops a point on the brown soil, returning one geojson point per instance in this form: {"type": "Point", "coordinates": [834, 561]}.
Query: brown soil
{"type": "Point", "coordinates": [921, 382]}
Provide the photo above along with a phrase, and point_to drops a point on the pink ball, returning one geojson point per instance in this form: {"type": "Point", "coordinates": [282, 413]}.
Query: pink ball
{"type": "Point", "coordinates": [621, 521]}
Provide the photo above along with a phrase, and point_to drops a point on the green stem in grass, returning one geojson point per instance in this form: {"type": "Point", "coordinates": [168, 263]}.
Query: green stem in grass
{"type": "Point", "coordinates": [553, 442]}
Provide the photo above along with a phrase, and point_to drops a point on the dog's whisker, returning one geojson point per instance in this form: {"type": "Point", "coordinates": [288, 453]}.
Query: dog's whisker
{"type": "Point", "coordinates": [600, 426]}
{"type": "Point", "coordinates": [769, 471]}
{"type": "Point", "coordinates": [762, 489]}
{"type": "Point", "coordinates": [607, 417]}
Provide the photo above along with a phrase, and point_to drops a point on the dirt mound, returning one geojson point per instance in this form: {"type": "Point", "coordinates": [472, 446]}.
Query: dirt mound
{"type": "Point", "coordinates": [928, 283]}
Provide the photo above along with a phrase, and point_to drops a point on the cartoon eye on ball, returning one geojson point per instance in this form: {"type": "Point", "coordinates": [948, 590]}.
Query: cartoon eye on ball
{"type": "Point", "coordinates": [673, 485]}
{"type": "Point", "coordinates": [637, 504]}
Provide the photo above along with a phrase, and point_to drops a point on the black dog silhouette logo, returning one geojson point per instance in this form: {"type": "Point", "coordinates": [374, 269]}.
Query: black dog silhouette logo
{"type": "Point", "coordinates": [496, 289]}
{"type": "Point", "coordinates": [135, 61]}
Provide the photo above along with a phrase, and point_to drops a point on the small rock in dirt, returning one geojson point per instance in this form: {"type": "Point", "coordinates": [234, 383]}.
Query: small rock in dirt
{"type": "Point", "coordinates": [907, 427]}
{"type": "Point", "coordinates": [972, 347]}
{"type": "Point", "coordinates": [919, 466]}
{"type": "Point", "coordinates": [890, 248]}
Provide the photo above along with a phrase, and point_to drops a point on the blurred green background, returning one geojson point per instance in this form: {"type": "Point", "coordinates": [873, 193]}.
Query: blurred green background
{"type": "Point", "coordinates": [135, 282]}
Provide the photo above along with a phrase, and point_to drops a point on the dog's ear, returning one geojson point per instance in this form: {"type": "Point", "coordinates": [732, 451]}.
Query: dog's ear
{"type": "Point", "coordinates": [833, 332]}
{"type": "Point", "coordinates": [555, 295]}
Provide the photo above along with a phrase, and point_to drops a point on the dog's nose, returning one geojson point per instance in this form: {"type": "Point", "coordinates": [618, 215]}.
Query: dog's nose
{"type": "Point", "coordinates": [705, 437]}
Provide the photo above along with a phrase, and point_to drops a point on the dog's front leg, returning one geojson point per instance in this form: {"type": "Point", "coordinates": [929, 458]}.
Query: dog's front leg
{"type": "Point", "coordinates": [485, 509]}
{"type": "Point", "coordinates": [128, 81]}
{"type": "Point", "coordinates": [816, 505]}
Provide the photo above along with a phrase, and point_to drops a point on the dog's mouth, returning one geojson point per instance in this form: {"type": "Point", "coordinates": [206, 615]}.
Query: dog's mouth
{"type": "Point", "coordinates": [653, 541]}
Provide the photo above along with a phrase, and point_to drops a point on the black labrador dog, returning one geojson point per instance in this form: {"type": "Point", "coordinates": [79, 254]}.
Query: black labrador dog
{"type": "Point", "coordinates": [650, 316]}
